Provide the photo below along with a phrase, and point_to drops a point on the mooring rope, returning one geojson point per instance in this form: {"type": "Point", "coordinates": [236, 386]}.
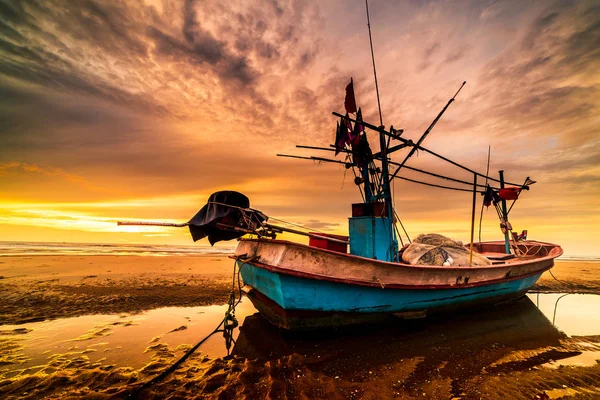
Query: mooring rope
{"type": "Point", "coordinates": [229, 323]}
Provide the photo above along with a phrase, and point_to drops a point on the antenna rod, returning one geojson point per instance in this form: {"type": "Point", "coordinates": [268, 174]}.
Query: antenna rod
{"type": "Point", "coordinates": [373, 57]}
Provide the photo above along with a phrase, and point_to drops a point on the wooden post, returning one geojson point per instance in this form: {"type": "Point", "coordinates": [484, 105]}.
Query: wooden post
{"type": "Point", "coordinates": [504, 215]}
{"type": "Point", "coordinates": [473, 218]}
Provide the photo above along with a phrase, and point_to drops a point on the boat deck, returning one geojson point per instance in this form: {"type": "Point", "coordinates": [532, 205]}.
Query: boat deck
{"type": "Point", "coordinates": [494, 251]}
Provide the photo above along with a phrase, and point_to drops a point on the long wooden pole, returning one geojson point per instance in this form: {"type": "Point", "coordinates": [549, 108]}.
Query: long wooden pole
{"type": "Point", "coordinates": [378, 156]}
{"type": "Point", "coordinates": [473, 218]}
{"type": "Point", "coordinates": [409, 142]}
{"type": "Point", "coordinates": [280, 228]}
{"type": "Point", "coordinates": [297, 232]}
{"type": "Point", "coordinates": [151, 223]}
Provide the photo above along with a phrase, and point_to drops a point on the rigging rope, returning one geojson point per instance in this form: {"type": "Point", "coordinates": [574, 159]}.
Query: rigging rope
{"type": "Point", "coordinates": [434, 185]}
{"type": "Point", "coordinates": [402, 225]}
{"type": "Point", "coordinates": [466, 168]}
{"type": "Point", "coordinates": [442, 176]}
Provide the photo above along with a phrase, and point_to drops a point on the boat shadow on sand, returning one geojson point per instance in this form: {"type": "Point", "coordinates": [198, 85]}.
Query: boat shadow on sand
{"type": "Point", "coordinates": [453, 347]}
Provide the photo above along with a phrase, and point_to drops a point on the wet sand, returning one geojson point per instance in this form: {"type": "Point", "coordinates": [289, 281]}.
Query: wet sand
{"type": "Point", "coordinates": [512, 351]}
{"type": "Point", "coordinates": [34, 288]}
{"type": "Point", "coordinates": [571, 276]}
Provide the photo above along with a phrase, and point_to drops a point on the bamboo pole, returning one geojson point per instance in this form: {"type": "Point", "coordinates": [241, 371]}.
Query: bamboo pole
{"type": "Point", "coordinates": [151, 223]}
{"type": "Point", "coordinates": [297, 232]}
{"type": "Point", "coordinates": [409, 142]}
{"type": "Point", "coordinates": [313, 158]}
{"type": "Point", "coordinates": [473, 218]}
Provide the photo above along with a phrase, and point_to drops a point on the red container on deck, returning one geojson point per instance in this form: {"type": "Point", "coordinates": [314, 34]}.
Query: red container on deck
{"type": "Point", "coordinates": [375, 209]}
{"type": "Point", "coordinates": [327, 244]}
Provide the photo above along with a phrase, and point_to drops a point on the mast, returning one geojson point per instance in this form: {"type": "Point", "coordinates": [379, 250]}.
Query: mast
{"type": "Point", "coordinates": [372, 227]}
{"type": "Point", "coordinates": [386, 193]}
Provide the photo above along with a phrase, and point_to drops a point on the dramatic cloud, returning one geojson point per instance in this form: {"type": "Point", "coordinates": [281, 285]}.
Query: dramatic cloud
{"type": "Point", "coordinates": [138, 101]}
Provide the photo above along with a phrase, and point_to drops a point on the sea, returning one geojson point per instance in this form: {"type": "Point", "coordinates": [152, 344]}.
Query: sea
{"type": "Point", "coordinates": [87, 249]}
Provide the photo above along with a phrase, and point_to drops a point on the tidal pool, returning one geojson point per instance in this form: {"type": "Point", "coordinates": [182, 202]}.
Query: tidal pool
{"type": "Point", "coordinates": [117, 339]}
{"type": "Point", "coordinates": [131, 340]}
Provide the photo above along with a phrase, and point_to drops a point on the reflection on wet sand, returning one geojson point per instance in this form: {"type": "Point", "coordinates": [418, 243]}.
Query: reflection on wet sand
{"type": "Point", "coordinates": [509, 351]}
{"type": "Point", "coordinates": [453, 348]}
{"type": "Point", "coordinates": [572, 313]}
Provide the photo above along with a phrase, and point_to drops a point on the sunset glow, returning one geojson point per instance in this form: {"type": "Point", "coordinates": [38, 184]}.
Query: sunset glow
{"type": "Point", "coordinates": [139, 110]}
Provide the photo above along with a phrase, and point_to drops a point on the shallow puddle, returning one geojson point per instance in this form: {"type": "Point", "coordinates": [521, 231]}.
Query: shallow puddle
{"type": "Point", "coordinates": [117, 339]}
{"type": "Point", "coordinates": [510, 337]}
{"type": "Point", "coordinates": [585, 359]}
{"type": "Point", "coordinates": [574, 314]}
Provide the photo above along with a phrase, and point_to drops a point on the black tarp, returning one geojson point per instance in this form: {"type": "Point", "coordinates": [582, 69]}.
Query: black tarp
{"type": "Point", "coordinates": [204, 222]}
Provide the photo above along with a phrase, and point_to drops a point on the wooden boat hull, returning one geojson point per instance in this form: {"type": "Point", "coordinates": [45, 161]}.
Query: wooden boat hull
{"type": "Point", "coordinates": [297, 286]}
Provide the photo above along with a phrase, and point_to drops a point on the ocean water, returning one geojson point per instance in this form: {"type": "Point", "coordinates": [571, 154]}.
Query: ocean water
{"type": "Point", "coordinates": [39, 248]}
{"type": "Point", "coordinates": [49, 248]}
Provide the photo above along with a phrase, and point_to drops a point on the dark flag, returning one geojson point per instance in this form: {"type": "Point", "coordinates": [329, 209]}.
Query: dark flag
{"type": "Point", "coordinates": [490, 196]}
{"type": "Point", "coordinates": [358, 128]}
{"type": "Point", "coordinates": [361, 151]}
{"type": "Point", "coordinates": [340, 140]}
{"type": "Point", "coordinates": [349, 129]}
{"type": "Point", "coordinates": [350, 101]}
{"type": "Point", "coordinates": [343, 134]}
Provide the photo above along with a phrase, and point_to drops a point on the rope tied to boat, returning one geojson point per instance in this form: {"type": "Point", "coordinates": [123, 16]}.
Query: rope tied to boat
{"type": "Point", "coordinates": [229, 323]}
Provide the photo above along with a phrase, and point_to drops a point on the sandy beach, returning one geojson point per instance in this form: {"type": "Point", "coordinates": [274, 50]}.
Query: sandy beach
{"type": "Point", "coordinates": [510, 352]}
{"type": "Point", "coordinates": [34, 288]}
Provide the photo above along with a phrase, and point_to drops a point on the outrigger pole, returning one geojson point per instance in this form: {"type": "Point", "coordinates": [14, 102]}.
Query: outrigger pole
{"type": "Point", "coordinates": [151, 223]}
{"type": "Point", "coordinates": [378, 156]}
{"type": "Point", "coordinates": [408, 142]}
{"type": "Point", "coordinates": [271, 227]}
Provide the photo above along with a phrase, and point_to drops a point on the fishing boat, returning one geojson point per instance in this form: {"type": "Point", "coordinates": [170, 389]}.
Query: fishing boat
{"type": "Point", "coordinates": [368, 276]}
{"type": "Point", "coordinates": [297, 286]}
{"type": "Point", "coordinates": [364, 277]}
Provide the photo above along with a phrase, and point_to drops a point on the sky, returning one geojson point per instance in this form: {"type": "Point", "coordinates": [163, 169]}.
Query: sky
{"type": "Point", "coordinates": [138, 109]}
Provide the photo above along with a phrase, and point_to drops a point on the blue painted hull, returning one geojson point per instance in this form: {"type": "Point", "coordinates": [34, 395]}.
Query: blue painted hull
{"type": "Point", "coordinates": [298, 293]}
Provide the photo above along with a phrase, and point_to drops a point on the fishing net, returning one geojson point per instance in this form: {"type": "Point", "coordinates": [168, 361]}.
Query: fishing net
{"type": "Point", "coordinates": [435, 249]}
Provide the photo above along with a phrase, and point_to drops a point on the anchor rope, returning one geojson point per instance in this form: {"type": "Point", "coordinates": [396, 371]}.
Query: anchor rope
{"type": "Point", "coordinates": [226, 326]}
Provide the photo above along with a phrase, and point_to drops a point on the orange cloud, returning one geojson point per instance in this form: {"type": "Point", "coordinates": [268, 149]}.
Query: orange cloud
{"type": "Point", "coordinates": [141, 109]}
